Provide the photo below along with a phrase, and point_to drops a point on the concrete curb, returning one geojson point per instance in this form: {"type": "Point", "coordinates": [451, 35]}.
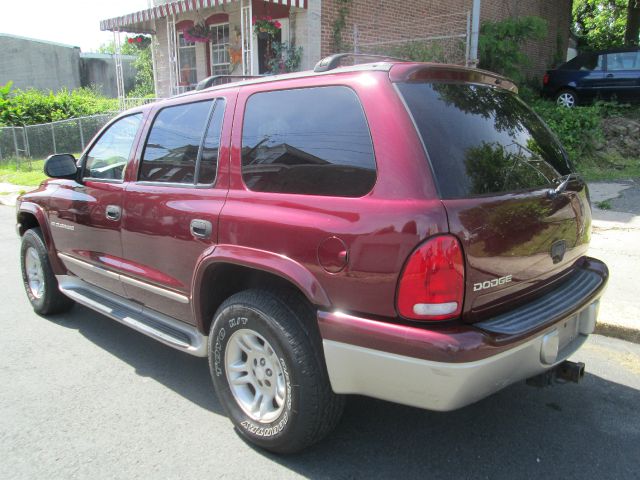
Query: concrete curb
{"type": "Point", "coordinates": [618, 331]}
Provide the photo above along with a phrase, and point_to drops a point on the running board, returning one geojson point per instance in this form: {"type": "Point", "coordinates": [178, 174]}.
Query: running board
{"type": "Point", "coordinates": [167, 330]}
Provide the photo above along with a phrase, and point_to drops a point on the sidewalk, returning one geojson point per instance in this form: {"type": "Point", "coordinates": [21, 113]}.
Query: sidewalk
{"type": "Point", "coordinates": [615, 240]}
{"type": "Point", "coordinates": [9, 193]}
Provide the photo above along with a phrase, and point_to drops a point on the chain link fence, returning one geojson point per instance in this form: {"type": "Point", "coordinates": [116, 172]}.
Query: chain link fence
{"type": "Point", "coordinates": [441, 38]}
{"type": "Point", "coordinates": [40, 141]}
{"type": "Point", "coordinates": [65, 136]}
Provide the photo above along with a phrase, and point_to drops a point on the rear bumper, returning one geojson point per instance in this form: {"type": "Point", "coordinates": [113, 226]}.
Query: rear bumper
{"type": "Point", "coordinates": [449, 367]}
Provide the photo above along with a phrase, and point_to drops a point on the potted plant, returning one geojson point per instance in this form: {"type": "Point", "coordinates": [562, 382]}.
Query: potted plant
{"type": "Point", "coordinates": [198, 33]}
{"type": "Point", "coordinates": [266, 27]}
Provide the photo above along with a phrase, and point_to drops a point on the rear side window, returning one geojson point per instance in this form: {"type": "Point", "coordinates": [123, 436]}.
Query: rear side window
{"type": "Point", "coordinates": [586, 62]}
{"type": "Point", "coordinates": [172, 147]}
{"type": "Point", "coordinates": [481, 140]}
{"type": "Point", "coordinates": [313, 141]}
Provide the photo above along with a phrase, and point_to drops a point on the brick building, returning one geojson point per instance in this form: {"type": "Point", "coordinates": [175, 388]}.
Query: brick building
{"type": "Point", "coordinates": [444, 29]}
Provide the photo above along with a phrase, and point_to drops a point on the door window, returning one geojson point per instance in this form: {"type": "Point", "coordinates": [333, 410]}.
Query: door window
{"type": "Point", "coordinates": [173, 143]}
{"type": "Point", "coordinates": [209, 158]}
{"type": "Point", "coordinates": [108, 157]}
{"type": "Point", "coordinates": [220, 61]}
{"type": "Point", "coordinates": [623, 61]}
{"type": "Point", "coordinates": [313, 141]}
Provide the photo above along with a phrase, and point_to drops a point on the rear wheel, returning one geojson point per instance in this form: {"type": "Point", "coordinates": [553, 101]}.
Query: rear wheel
{"type": "Point", "coordinates": [39, 281]}
{"type": "Point", "coordinates": [269, 373]}
{"type": "Point", "coordinates": [566, 98]}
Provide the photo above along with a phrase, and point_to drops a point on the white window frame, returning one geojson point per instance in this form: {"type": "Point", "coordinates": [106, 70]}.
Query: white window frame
{"type": "Point", "coordinates": [219, 48]}
{"type": "Point", "coordinates": [195, 58]}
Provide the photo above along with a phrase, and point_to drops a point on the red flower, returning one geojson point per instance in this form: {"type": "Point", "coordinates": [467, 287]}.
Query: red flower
{"type": "Point", "coordinates": [130, 40]}
{"type": "Point", "coordinates": [277, 24]}
{"type": "Point", "coordinates": [139, 40]}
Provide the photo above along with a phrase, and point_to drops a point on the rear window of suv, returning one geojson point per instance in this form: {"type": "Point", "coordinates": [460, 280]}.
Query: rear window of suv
{"type": "Point", "coordinates": [312, 141]}
{"type": "Point", "coordinates": [482, 140]}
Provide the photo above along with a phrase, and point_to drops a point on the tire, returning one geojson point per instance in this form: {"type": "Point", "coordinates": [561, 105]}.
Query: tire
{"type": "Point", "coordinates": [37, 276]}
{"type": "Point", "coordinates": [299, 408]}
{"type": "Point", "coordinates": [566, 98]}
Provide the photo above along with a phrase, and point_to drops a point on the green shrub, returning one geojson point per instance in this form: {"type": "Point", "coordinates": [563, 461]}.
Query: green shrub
{"type": "Point", "coordinates": [578, 129]}
{"type": "Point", "coordinates": [500, 44]}
{"type": "Point", "coordinates": [30, 107]}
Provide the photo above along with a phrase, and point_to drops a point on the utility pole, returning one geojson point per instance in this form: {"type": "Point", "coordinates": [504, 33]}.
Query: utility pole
{"type": "Point", "coordinates": [475, 32]}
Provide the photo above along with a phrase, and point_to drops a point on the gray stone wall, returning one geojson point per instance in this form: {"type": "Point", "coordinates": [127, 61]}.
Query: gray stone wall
{"type": "Point", "coordinates": [99, 70]}
{"type": "Point", "coordinates": [38, 64]}
{"type": "Point", "coordinates": [30, 63]}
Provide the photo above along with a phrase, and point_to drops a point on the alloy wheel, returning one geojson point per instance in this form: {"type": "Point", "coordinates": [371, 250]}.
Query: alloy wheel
{"type": "Point", "coordinates": [255, 375]}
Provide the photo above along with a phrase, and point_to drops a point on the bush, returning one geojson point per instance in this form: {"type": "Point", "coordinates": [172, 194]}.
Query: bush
{"type": "Point", "coordinates": [580, 129]}
{"type": "Point", "coordinates": [30, 107]}
{"type": "Point", "coordinates": [500, 44]}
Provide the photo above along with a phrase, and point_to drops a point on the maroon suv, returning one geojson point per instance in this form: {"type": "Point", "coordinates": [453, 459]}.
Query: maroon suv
{"type": "Point", "coordinates": [407, 231]}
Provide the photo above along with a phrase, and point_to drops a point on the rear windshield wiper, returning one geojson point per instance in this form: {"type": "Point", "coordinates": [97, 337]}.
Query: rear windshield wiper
{"type": "Point", "coordinates": [562, 186]}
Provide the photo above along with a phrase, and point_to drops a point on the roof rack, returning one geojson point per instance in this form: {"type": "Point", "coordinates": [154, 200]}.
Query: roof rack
{"type": "Point", "coordinates": [333, 61]}
{"type": "Point", "coordinates": [221, 80]}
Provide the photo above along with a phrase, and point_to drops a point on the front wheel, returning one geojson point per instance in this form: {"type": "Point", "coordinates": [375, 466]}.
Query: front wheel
{"type": "Point", "coordinates": [39, 281]}
{"type": "Point", "coordinates": [567, 99]}
{"type": "Point", "coordinates": [269, 373]}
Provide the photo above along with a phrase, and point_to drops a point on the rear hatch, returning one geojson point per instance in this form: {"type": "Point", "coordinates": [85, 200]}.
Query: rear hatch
{"type": "Point", "coordinates": [522, 216]}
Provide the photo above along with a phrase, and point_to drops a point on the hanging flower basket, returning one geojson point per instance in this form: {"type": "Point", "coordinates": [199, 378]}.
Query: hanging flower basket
{"type": "Point", "coordinates": [198, 33]}
{"type": "Point", "coordinates": [140, 41]}
{"type": "Point", "coordinates": [265, 27]}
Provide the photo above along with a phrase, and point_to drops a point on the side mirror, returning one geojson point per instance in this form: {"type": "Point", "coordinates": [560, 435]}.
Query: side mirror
{"type": "Point", "coordinates": [61, 165]}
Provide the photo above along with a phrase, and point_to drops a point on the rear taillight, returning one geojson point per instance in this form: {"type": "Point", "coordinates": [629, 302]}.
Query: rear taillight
{"type": "Point", "coordinates": [545, 79]}
{"type": "Point", "coordinates": [431, 286]}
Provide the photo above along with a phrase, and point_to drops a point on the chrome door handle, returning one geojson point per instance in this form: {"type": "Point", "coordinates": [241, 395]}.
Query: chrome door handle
{"type": "Point", "coordinates": [113, 212]}
{"type": "Point", "coordinates": [200, 228]}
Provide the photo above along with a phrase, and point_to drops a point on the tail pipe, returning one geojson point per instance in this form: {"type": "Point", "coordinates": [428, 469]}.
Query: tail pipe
{"type": "Point", "coordinates": [562, 373]}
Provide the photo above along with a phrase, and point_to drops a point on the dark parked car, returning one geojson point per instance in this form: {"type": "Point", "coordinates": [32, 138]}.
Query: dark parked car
{"type": "Point", "coordinates": [407, 231]}
{"type": "Point", "coordinates": [606, 74]}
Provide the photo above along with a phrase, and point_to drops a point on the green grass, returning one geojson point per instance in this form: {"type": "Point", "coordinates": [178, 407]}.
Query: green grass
{"type": "Point", "coordinates": [604, 205]}
{"type": "Point", "coordinates": [609, 167]}
{"type": "Point", "coordinates": [29, 174]}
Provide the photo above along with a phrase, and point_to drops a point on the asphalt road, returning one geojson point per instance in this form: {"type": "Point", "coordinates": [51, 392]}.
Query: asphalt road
{"type": "Point", "coordinates": [84, 397]}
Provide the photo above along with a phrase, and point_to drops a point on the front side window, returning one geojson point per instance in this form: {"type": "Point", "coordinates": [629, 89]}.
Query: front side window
{"type": "Point", "coordinates": [623, 61]}
{"type": "Point", "coordinates": [482, 140]}
{"type": "Point", "coordinates": [313, 141]}
{"type": "Point", "coordinates": [220, 61]}
{"type": "Point", "coordinates": [108, 157]}
{"type": "Point", "coordinates": [173, 143]}
{"type": "Point", "coordinates": [187, 61]}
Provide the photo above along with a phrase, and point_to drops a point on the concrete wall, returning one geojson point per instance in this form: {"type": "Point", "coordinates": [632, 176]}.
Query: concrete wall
{"type": "Point", "coordinates": [99, 70]}
{"type": "Point", "coordinates": [42, 65]}
{"type": "Point", "coordinates": [38, 64]}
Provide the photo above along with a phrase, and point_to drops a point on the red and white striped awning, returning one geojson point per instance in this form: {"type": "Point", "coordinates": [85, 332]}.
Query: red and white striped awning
{"type": "Point", "coordinates": [140, 20]}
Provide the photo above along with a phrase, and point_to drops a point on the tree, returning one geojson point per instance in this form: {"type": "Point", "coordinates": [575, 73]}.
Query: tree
{"type": "Point", "coordinates": [632, 34]}
{"type": "Point", "coordinates": [602, 24]}
{"type": "Point", "coordinates": [143, 63]}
